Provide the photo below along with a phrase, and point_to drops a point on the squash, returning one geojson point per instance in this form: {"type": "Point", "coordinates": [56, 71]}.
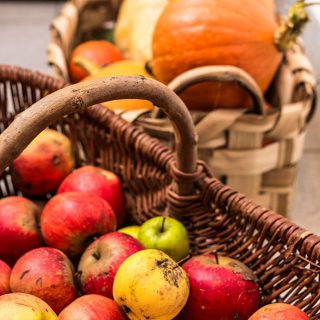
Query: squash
{"type": "Point", "coordinates": [194, 33]}
{"type": "Point", "coordinates": [119, 68]}
{"type": "Point", "coordinates": [134, 28]}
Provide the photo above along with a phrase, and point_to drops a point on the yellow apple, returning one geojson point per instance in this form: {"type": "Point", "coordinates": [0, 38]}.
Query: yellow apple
{"type": "Point", "coordinates": [132, 231]}
{"type": "Point", "coordinates": [23, 306]}
{"type": "Point", "coordinates": [150, 285]}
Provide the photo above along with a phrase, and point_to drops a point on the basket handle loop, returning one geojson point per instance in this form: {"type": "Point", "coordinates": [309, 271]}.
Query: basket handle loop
{"type": "Point", "coordinates": [28, 124]}
{"type": "Point", "coordinates": [222, 74]}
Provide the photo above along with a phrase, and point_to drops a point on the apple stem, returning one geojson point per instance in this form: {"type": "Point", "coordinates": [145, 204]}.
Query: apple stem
{"type": "Point", "coordinates": [180, 262]}
{"type": "Point", "coordinates": [217, 257]}
{"type": "Point", "coordinates": [162, 226]}
{"type": "Point", "coordinates": [96, 255]}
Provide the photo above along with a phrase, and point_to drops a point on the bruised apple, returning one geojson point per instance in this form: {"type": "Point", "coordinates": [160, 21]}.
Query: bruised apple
{"type": "Point", "coordinates": [42, 166]}
{"type": "Point", "coordinates": [46, 273]}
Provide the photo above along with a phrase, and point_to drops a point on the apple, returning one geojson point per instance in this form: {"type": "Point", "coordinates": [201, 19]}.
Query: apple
{"type": "Point", "coordinates": [46, 273]}
{"type": "Point", "coordinates": [132, 231]}
{"type": "Point", "coordinates": [5, 272]}
{"type": "Point", "coordinates": [71, 220]}
{"type": "Point", "coordinates": [220, 288]}
{"type": "Point", "coordinates": [19, 231]}
{"type": "Point", "coordinates": [102, 259]}
{"type": "Point", "coordinates": [279, 311]}
{"type": "Point", "coordinates": [99, 182]}
{"type": "Point", "coordinates": [151, 285]}
{"type": "Point", "coordinates": [165, 234]}
{"type": "Point", "coordinates": [22, 306]}
{"type": "Point", "coordinates": [92, 307]}
{"type": "Point", "coordinates": [41, 167]}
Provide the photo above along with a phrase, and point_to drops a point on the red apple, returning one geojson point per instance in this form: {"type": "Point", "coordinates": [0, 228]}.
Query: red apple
{"type": "Point", "coordinates": [23, 306]}
{"type": "Point", "coordinates": [220, 288]}
{"type": "Point", "coordinates": [100, 182]}
{"type": "Point", "coordinates": [5, 272]}
{"type": "Point", "coordinates": [70, 220]}
{"type": "Point", "coordinates": [279, 311]}
{"type": "Point", "coordinates": [101, 260]}
{"type": "Point", "coordinates": [19, 231]}
{"type": "Point", "coordinates": [46, 273]}
{"type": "Point", "coordinates": [42, 166]}
{"type": "Point", "coordinates": [92, 307]}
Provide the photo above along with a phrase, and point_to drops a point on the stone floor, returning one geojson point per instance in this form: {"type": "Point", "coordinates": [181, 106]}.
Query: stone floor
{"type": "Point", "coordinates": [24, 36]}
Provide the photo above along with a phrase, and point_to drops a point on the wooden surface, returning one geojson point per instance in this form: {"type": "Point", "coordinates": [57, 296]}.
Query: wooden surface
{"type": "Point", "coordinates": [24, 36]}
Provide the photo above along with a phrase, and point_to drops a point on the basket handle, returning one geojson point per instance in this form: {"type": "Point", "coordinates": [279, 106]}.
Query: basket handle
{"type": "Point", "coordinates": [29, 123]}
{"type": "Point", "coordinates": [222, 74]}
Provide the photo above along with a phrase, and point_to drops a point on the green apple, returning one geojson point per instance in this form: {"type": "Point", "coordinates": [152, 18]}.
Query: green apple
{"type": "Point", "coordinates": [132, 231]}
{"type": "Point", "coordinates": [165, 234]}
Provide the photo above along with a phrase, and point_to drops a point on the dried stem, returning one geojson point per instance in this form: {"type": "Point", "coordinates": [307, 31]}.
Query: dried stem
{"type": "Point", "coordinates": [291, 28]}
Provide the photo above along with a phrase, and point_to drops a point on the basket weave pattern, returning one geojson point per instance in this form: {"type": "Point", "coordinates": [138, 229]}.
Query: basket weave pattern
{"type": "Point", "coordinates": [285, 257]}
{"type": "Point", "coordinates": [255, 155]}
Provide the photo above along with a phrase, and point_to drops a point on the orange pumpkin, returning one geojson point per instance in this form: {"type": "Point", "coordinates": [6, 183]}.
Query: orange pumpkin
{"type": "Point", "coordinates": [193, 33]}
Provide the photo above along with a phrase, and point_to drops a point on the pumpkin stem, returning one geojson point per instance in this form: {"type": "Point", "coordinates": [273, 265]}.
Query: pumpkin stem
{"type": "Point", "coordinates": [86, 65]}
{"type": "Point", "coordinates": [291, 28]}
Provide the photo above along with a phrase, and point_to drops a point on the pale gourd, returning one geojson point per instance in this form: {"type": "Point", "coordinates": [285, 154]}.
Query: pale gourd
{"type": "Point", "coordinates": [135, 26]}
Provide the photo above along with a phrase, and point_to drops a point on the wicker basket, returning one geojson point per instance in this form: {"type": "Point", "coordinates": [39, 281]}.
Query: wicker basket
{"type": "Point", "coordinates": [255, 153]}
{"type": "Point", "coordinates": [285, 257]}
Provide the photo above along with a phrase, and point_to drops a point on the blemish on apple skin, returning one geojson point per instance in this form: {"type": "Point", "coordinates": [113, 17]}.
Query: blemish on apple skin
{"type": "Point", "coordinates": [171, 272]}
{"type": "Point", "coordinates": [24, 273]}
{"type": "Point", "coordinates": [55, 160]}
{"type": "Point", "coordinates": [39, 282]}
{"type": "Point", "coordinates": [126, 309]}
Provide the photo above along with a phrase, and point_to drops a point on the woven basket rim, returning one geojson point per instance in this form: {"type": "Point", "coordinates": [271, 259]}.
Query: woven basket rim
{"type": "Point", "coordinates": [224, 196]}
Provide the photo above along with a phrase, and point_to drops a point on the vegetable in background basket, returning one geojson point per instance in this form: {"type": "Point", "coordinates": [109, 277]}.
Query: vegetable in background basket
{"type": "Point", "coordinates": [120, 68]}
{"type": "Point", "coordinates": [134, 28]}
{"type": "Point", "coordinates": [246, 34]}
{"type": "Point", "coordinates": [279, 311]}
{"type": "Point", "coordinates": [42, 166]}
{"type": "Point", "coordinates": [100, 52]}
{"type": "Point", "coordinates": [220, 288]}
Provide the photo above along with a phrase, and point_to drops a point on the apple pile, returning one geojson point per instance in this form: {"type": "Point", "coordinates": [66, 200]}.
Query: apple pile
{"type": "Point", "coordinates": [76, 257]}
